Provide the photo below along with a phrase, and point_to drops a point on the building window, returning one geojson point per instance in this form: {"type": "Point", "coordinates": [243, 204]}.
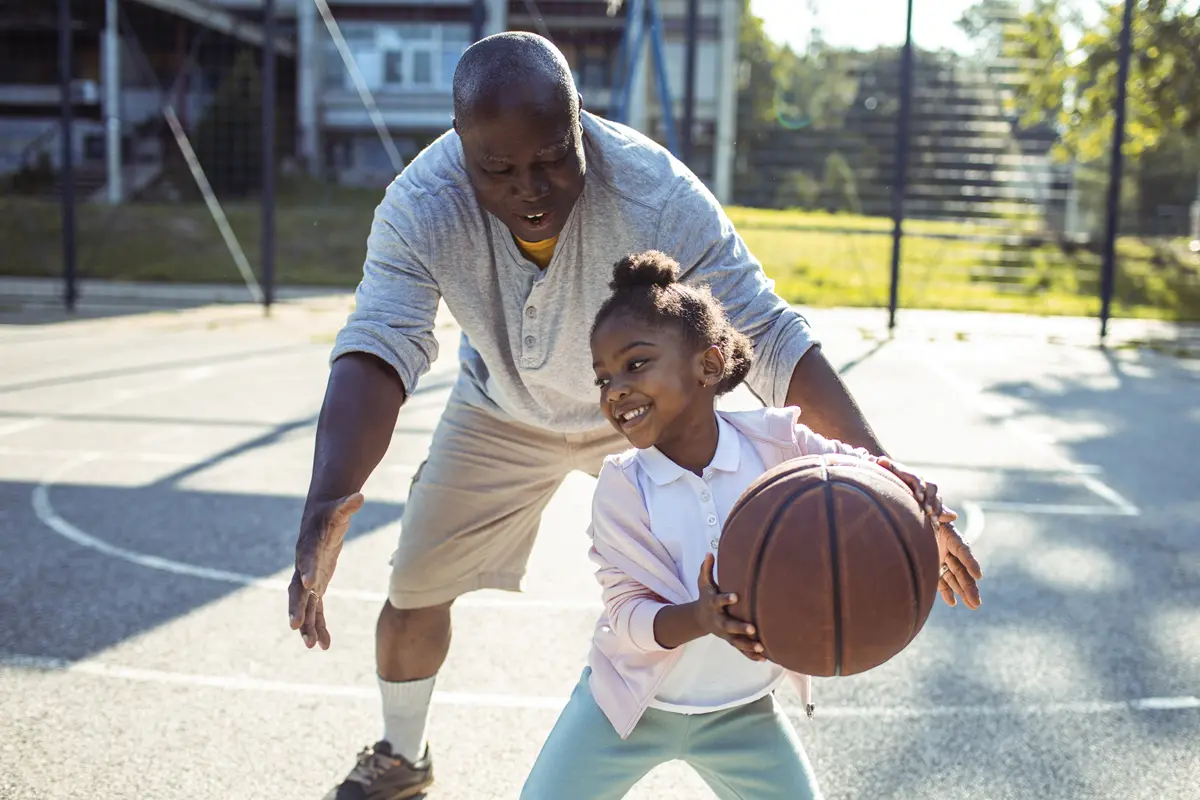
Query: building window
{"type": "Point", "coordinates": [422, 74]}
{"type": "Point", "coordinates": [399, 56]}
{"type": "Point", "coordinates": [393, 68]}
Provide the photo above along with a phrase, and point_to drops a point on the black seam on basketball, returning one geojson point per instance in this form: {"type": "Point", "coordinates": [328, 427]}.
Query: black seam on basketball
{"type": "Point", "coordinates": [912, 567]}
{"type": "Point", "coordinates": [831, 524]}
{"type": "Point", "coordinates": [752, 589]}
{"type": "Point", "coordinates": [747, 496]}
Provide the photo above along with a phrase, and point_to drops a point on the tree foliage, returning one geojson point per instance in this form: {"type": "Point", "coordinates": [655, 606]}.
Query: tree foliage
{"type": "Point", "coordinates": [1072, 80]}
{"type": "Point", "coordinates": [228, 138]}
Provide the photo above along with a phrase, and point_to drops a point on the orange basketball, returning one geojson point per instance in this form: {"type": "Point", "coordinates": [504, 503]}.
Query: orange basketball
{"type": "Point", "coordinates": [833, 561]}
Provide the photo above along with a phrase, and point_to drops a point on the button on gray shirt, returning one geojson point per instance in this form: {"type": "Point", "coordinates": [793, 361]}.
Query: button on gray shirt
{"type": "Point", "coordinates": [524, 349]}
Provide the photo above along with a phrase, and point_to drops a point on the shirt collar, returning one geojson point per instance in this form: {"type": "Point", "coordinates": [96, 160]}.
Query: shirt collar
{"type": "Point", "coordinates": [728, 457]}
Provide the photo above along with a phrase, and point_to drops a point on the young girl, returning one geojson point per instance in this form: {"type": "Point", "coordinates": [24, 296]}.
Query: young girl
{"type": "Point", "coordinates": [671, 675]}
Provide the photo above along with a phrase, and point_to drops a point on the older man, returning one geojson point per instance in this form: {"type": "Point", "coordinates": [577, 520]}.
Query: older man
{"type": "Point", "coordinates": [514, 219]}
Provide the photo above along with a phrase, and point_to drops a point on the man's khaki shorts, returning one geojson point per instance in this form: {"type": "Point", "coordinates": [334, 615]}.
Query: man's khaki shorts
{"type": "Point", "coordinates": [476, 503]}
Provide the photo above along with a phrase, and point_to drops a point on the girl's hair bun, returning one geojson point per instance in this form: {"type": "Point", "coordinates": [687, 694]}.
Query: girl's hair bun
{"type": "Point", "coordinates": [650, 268]}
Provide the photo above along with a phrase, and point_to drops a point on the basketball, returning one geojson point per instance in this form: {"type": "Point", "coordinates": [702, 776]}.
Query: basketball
{"type": "Point", "coordinates": [833, 561]}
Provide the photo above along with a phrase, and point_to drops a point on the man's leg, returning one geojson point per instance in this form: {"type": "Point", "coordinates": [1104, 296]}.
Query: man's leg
{"type": "Point", "coordinates": [469, 523]}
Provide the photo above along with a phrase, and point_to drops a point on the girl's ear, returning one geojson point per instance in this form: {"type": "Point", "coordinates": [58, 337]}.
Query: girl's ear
{"type": "Point", "coordinates": [710, 365]}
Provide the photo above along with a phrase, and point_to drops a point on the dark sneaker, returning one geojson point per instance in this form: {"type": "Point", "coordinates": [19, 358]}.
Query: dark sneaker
{"type": "Point", "coordinates": [379, 775]}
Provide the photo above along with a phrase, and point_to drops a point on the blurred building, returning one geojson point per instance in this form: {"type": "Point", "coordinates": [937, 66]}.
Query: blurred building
{"type": "Point", "coordinates": [134, 57]}
{"type": "Point", "coordinates": [130, 60]}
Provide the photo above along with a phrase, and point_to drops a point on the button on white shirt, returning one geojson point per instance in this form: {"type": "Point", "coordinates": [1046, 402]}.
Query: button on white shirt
{"type": "Point", "coordinates": [687, 513]}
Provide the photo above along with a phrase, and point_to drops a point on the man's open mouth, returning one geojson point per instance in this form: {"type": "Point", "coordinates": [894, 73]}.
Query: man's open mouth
{"type": "Point", "coordinates": [538, 220]}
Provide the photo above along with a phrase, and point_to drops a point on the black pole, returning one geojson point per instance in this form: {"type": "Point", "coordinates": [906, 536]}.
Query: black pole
{"type": "Point", "coordinates": [67, 168]}
{"type": "Point", "coordinates": [899, 183]}
{"type": "Point", "coordinates": [1109, 266]}
{"type": "Point", "coordinates": [268, 160]}
{"type": "Point", "coordinates": [478, 17]}
{"type": "Point", "coordinates": [689, 80]}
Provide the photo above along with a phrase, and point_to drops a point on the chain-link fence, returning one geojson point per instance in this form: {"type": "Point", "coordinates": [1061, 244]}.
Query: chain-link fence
{"type": "Point", "coordinates": [969, 168]}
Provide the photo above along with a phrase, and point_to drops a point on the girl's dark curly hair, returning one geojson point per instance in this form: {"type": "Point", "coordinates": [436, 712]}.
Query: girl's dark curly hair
{"type": "Point", "coordinates": [646, 287]}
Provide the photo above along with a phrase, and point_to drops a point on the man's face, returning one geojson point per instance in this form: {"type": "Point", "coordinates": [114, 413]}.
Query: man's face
{"type": "Point", "coordinates": [526, 164]}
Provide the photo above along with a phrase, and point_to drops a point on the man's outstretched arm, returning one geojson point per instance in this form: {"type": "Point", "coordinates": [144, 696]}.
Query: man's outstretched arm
{"type": "Point", "coordinates": [827, 405]}
{"type": "Point", "coordinates": [362, 400]}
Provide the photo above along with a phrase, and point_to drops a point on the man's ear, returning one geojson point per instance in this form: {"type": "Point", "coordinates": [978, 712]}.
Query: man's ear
{"type": "Point", "coordinates": [454, 124]}
{"type": "Point", "coordinates": [579, 95]}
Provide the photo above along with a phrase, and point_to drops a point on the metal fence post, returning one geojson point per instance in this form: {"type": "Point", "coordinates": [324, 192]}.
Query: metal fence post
{"type": "Point", "coordinates": [899, 184]}
{"type": "Point", "coordinates": [1109, 268]}
{"type": "Point", "coordinates": [268, 156]}
{"type": "Point", "coordinates": [67, 167]}
{"type": "Point", "coordinates": [478, 19]}
{"type": "Point", "coordinates": [689, 79]}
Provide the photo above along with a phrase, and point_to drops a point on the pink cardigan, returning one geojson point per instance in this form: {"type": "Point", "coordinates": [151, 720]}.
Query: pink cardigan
{"type": "Point", "coordinates": [638, 575]}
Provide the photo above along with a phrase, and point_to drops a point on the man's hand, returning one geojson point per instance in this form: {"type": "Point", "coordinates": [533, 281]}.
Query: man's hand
{"type": "Point", "coordinates": [322, 531]}
{"type": "Point", "coordinates": [959, 570]}
{"type": "Point", "coordinates": [712, 617]}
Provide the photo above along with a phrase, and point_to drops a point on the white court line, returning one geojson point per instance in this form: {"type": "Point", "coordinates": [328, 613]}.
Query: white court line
{"type": "Point", "coordinates": [1110, 494]}
{"type": "Point", "coordinates": [175, 459]}
{"type": "Point", "coordinates": [1055, 509]}
{"type": "Point", "coordinates": [990, 407]}
{"type": "Point", "coordinates": [44, 509]}
{"type": "Point", "coordinates": [184, 376]}
{"type": "Point", "coordinates": [99, 669]}
{"type": "Point", "coordinates": [45, 512]}
{"type": "Point", "coordinates": [121, 396]}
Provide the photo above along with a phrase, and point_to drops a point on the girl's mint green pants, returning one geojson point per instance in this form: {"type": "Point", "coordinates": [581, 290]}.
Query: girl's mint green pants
{"type": "Point", "coordinates": [746, 753]}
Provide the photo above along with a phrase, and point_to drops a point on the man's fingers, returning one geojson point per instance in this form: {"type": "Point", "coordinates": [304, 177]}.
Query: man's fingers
{"type": "Point", "coordinates": [306, 560]}
{"type": "Point", "coordinates": [952, 581]}
{"type": "Point", "coordinates": [947, 592]}
{"type": "Point", "coordinates": [322, 629]}
{"type": "Point", "coordinates": [929, 497]}
{"type": "Point", "coordinates": [346, 508]}
{"type": "Point", "coordinates": [308, 631]}
{"type": "Point", "coordinates": [961, 551]}
{"type": "Point", "coordinates": [297, 601]}
{"type": "Point", "coordinates": [962, 582]}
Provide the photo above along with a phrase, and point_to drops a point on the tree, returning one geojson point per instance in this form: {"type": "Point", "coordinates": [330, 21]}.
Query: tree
{"type": "Point", "coordinates": [228, 138]}
{"type": "Point", "coordinates": [1074, 85]}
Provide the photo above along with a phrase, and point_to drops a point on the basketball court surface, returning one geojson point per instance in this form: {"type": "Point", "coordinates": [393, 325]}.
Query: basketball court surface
{"type": "Point", "coordinates": [152, 472]}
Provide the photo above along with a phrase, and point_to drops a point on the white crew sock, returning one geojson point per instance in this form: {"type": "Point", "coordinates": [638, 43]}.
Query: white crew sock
{"type": "Point", "coordinates": [406, 715]}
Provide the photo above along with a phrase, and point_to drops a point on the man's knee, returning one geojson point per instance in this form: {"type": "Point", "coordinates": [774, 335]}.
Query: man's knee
{"type": "Point", "coordinates": [411, 643]}
{"type": "Point", "coordinates": [415, 621]}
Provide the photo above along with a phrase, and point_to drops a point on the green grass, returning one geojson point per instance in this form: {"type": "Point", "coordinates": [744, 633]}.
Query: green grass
{"type": "Point", "coordinates": [321, 241]}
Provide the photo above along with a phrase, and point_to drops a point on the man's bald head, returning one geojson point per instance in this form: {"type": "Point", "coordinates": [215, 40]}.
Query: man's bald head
{"type": "Point", "coordinates": [505, 68]}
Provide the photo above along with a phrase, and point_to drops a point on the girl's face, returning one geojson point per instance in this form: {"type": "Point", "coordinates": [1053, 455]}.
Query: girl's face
{"type": "Point", "coordinates": [654, 388]}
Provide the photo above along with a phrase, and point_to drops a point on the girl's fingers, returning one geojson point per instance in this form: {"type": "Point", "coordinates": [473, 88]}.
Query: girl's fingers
{"type": "Point", "coordinates": [706, 581]}
{"type": "Point", "coordinates": [748, 647]}
{"type": "Point", "coordinates": [734, 627]}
